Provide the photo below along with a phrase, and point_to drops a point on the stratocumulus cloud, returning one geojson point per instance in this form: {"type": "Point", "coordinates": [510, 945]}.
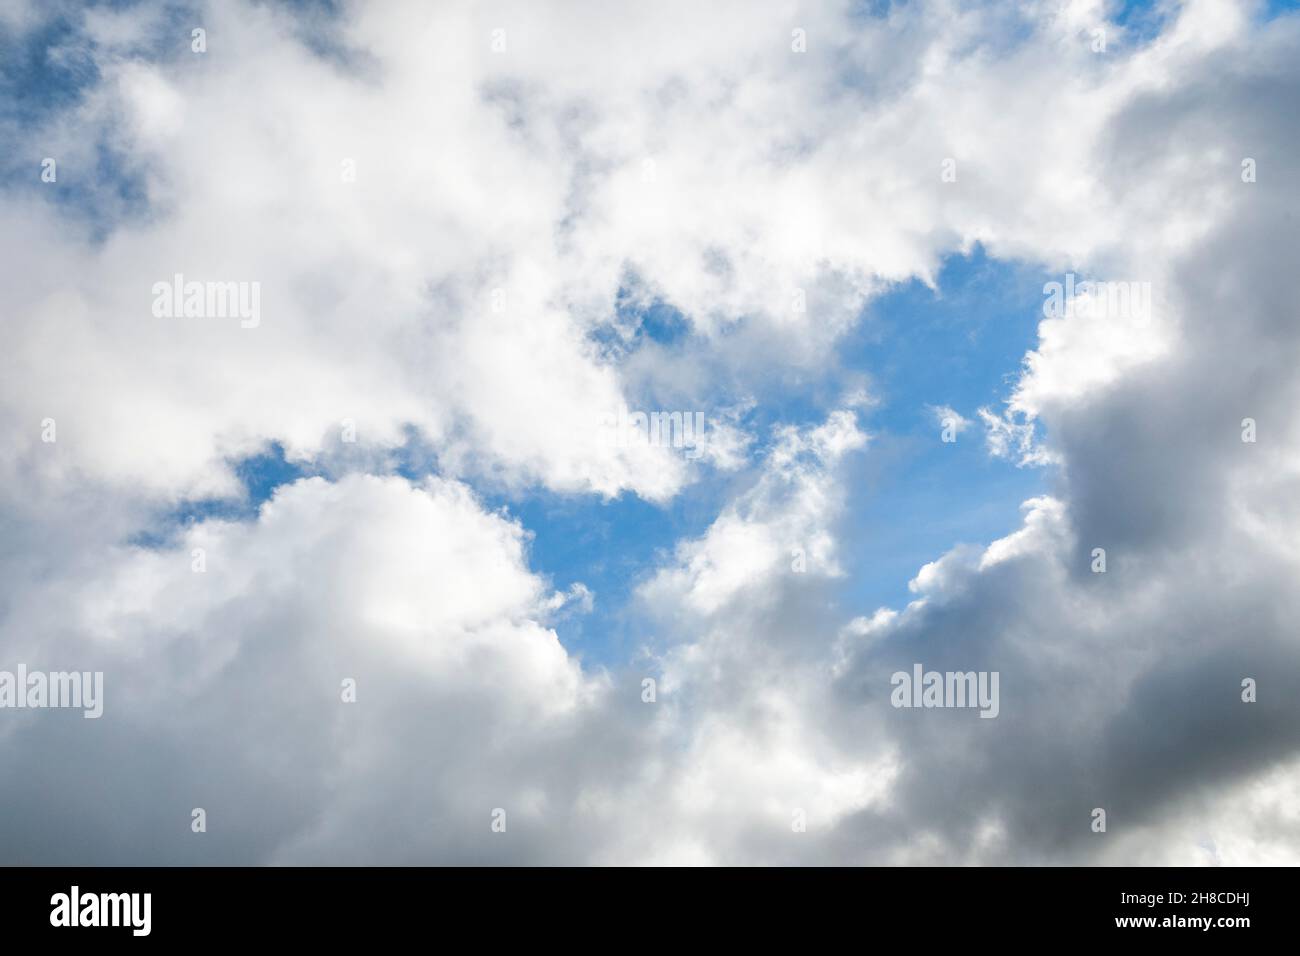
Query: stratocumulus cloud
{"type": "Point", "coordinates": [432, 250]}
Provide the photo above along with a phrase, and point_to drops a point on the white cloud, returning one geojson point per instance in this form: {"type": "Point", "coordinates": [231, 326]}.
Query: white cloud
{"type": "Point", "coordinates": [948, 417]}
{"type": "Point", "coordinates": [781, 522]}
{"type": "Point", "coordinates": [1008, 438]}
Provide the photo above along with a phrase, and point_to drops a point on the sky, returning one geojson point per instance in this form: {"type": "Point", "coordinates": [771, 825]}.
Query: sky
{"type": "Point", "coordinates": [369, 581]}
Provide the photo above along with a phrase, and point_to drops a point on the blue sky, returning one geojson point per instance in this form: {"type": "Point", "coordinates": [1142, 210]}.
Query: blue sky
{"type": "Point", "coordinates": [960, 346]}
{"type": "Point", "coordinates": [911, 497]}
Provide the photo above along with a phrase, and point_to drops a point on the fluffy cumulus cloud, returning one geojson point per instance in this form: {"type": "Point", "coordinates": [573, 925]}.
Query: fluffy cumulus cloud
{"type": "Point", "coordinates": [459, 221]}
